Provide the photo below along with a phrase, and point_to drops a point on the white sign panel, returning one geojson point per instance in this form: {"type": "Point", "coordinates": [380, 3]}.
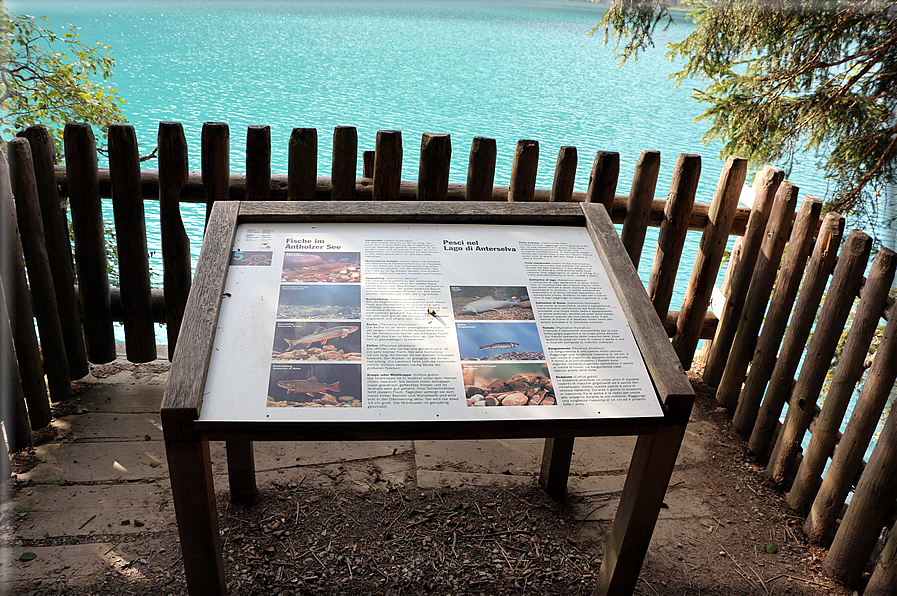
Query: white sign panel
{"type": "Point", "coordinates": [404, 322]}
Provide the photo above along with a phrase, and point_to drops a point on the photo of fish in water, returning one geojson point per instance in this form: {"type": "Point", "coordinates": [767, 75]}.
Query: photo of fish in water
{"type": "Point", "coordinates": [321, 267]}
{"type": "Point", "coordinates": [518, 384]}
{"type": "Point", "coordinates": [499, 340]}
{"type": "Point", "coordinates": [314, 386]}
{"type": "Point", "coordinates": [327, 341]}
{"type": "Point", "coordinates": [491, 303]}
{"type": "Point", "coordinates": [329, 302]}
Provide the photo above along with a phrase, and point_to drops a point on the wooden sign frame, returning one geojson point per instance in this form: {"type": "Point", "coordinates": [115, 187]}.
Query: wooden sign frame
{"type": "Point", "coordinates": [187, 437]}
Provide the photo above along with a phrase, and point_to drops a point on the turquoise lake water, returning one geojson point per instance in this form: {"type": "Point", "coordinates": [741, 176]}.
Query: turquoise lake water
{"type": "Point", "coordinates": [505, 69]}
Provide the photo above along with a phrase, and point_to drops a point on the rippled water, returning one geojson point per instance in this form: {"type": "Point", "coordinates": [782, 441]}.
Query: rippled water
{"type": "Point", "coordinates": [505, 69]}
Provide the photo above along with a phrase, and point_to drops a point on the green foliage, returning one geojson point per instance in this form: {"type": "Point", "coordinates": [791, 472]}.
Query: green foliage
{"type": "Point", "coordinates": [49, 79]}
{"type": "Point", "coordinates": [785, 76]}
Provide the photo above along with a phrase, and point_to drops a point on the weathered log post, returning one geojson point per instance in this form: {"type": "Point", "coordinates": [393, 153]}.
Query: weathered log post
{"type": "Point", "coordinates": [848, 372]}
{"type": "Point", "coordinates": [848, 457]}
{"type": "Point", "coordinates": [345, 163]}
{"type": "Point", "coordinates": [302, 165]}
{"type": "Point", "coordinates": [524, 169]}
{"type": "Point", "coordinates": [800, 243]}
{"type": "Point", "coordinates": [59, 249]}
{"type": "Point", "coordinates": [388, 165]}
{"type": "Point", "coordinates": [707, 262]}
{"type": "Point", "coordinates": [90, 241]}
{"type": "Point", "coordinates": [43, 296]}
{"type": "Point", "coordinates": [638, 209]}
{"type": "Point", "coordinates": [435, 160]}
{"type": "Point", "coordinates": [884, 578]}
{"type": "Point", "coordinates": [130, 232]}
{"type": "Point", "coordinates": [481, 169]}
{"type": "Point", "coordinates": [754, 306]}
{"type": "Point", "coordinates": [564, 175]}
{"type": "Point", "coordinates": [825, 255]}
{"type": "Point", "coordinates": [215, 163]}
{"type": "Point", "coordinates": [741, 265]}
{"type": "Point", "coordinates": [603, 180]}
{"type": "Point", "coordinates": [367, 163]}
{"type": "Point", "coordinates": [871, 503]}
{"type": "Point", "coordinates": [673, 229]}
{"type": "Point", "coordinates": [841, 294]}
{"type": "Point", "coordinates": [176, 263]}
{"type": "Point", "coordinates": [13, 411]}
{"type": "Point", "coordinates": [18, 301]}
{"type": "Point", "coordinates": [258, 163]}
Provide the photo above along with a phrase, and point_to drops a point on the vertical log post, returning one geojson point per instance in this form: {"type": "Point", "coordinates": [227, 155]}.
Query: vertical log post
{"type": "Point", "coordinates": [673, 229]}
{"type": "Point", "coordinates": [481, 169]}
{"type": "Point", "coordinates": [523, 171]}
{"type": "Point", "coordinates": [710, 254]}
{"type": "Point", "coordinates": [848, 457]}
{"type": "Point", "coordinates": [90, 241]}
{"type": "Point", "coordinates": [388, 165]}
{"type": "Point", "coordinates": [345, 163]}
{"type": "Point", "coordinates": [435, 159]}
{"type": "Point", "coordinates": [884, 578]}
{"type": "Point", "coordinates": [825, 251]}
{"type": "Point", "coordinates": [13, 411]}
{"type": "Point", "coordinates": [130, 232]}
{"type": "Point", "coordinates": [302, 165]}
{"type": "Point", "coordinates": [43, 296]}
{"type": "Point", "coordinates": [603, 180]}
{"type": "Point", "coordinates": [841, 294]}
{"type": "Point", "coordinates": [18, 301]}
{"type": "Point", "coordinates": [847, 374]}
{"type": "Point", "coordinates": [564, 175]}
{"type": "Point", "coordinates": [367, 163]}
{"type": "Point", "coordinates": [258, 163]}
{"type": "Point", "coordinates": [741, 265]}
{"type": "Point", "coordinates": [871, 503]}
{"type": "Point", "coordinates": [59, 249]}
{"type": "Point", "coordinates": [215, 163]}
{"type": "Point", "coordinates": [176, 264]}
{"type": "Point", "coordinates": [638, 209]}
{"type": "Point", "coordinates": [787, 283]}
{"type": "Point", "coordinates": [754, 305]}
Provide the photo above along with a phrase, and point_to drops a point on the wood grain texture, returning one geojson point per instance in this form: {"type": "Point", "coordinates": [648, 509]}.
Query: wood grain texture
{"type": "Point", "coordinates": [523, 171]}
{"type": "Point", "coordinates": [638, 210]}
{"type": "Point", "coordinates": [740, 272]}
{"type": "Point", "coordinates": [673, 229]}
{"type": "Point", "coordinates": [345, 163]}
{"type": "Point", "coordinates": [182, 402]}
{"type": "Point", "coordinates": [241, 472]}
{"type": "Point", "coordinates": [59, 249]}
{"type": "Point", "coordinates": [130, 234]}
{"type": "Point", "coordinates": [800, 243]}
{"type": "Point", "coordinates": [43, 296]}
{"type": "Point", "coordinates": [435, 160]}
{"type": "Point", "coordinates": [388, 166]}
{"type": "Point", "coordinates": [215, 158]}
{"type": "Point", "coordinates": [603, 179]}
{"type": "Point", "coordinates": [258, 163]}
{"type": "Point", "coordinates": [90, 241]}
{"type": "Point", "coordinates": [16, 424]}
{"type": "Point", "coordinates": [302, 165]}
{"type": "Point", "coordinates": [481, 169]}
{"type": "Point", "coordinates": [825, 254]}
{"type": "Point", "coordinates": [555, 469]}
{"type": "Point", "coordinates": [564, 174]}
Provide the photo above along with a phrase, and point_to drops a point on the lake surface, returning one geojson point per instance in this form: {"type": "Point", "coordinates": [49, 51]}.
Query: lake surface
{"type": "Point", "coordinates": [505, 69]}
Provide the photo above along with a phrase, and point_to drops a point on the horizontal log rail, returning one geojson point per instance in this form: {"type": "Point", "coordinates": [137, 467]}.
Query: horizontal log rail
{"type": "Point", "coordinates": [194, 192]}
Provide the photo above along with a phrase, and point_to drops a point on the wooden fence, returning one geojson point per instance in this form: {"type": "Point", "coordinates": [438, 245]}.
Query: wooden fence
{"type": "Point", "coordinates": [784, 262]}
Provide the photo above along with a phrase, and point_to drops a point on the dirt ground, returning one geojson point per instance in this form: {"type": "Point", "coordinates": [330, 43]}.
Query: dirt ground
{"type": "Point", "coordinates": [386, 538]}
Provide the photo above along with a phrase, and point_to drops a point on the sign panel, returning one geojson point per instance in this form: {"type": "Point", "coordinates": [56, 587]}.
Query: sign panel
{"type": "Point", "coordinates": [377, 322]}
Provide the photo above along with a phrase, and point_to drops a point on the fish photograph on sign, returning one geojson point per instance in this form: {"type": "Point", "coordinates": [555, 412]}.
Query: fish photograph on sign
{"type": "Point", "coordinates": [327, 341]}
{"type": "Point", "coordinates": [499, 340]}
{"type": "Point", "coordinates": [491, 303]}
{"type": "Point", "coordinates": [314, 385]}
{"type": "Point", "coordinates": [318, 302]}
{"type": "Point", "coordinates": [321, 267]}
{"type": "Point", "coordinates": [511, 384]}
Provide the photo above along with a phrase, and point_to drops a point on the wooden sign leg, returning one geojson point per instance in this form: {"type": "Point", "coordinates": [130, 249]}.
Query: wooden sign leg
{"type": "Point", "coordinates": [556, 466]}
{"type": "Point", "coordinates": [241, 472]}
{"type": "Point", "coordinates": [646, 484]}
{"type": "Point", "coordinates": [193, 492]}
